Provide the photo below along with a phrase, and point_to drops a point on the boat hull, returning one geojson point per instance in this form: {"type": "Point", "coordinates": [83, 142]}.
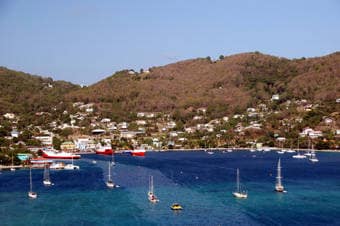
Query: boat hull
{"type": "Point", "coordinates": [240, 195]}
{"type": "Point", "coordinates": [104, 152]}
{"type": "Point", "coordinates": [60, 156]}
{"type": "Point", "coordinates": [32, 195]}
{"type": "Point", "coordinates": [138, 153]}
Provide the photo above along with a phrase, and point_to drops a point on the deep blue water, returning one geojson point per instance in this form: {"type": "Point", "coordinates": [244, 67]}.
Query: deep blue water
{"type": "Point", "coordinates": [202, 183]}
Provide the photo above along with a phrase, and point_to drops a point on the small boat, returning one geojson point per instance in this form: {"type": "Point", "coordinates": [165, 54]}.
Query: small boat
{"type": "Point", "coordinates": [71, 166]}
{"type": "Point", "coordinates": [281, 152]}
{"type": "Point", "coordinates": [210, 152]}
{"type": "Point", "coordinates": [313, 156]}
{"type": "Point", "coordinates": [176, 206]}
{"type": "Point", "coordinates": [57, 165]}
{"type": "Point", "coordinates": [278, 186]}
{"type": "Point", "coordinates": [59, 155]}
{"type": "Point", "coordinates": [290, 151]}
{"type": "Point", "coordinates": [299, 156]}
{"type": "Point", "coordinates": [313, 159]}
{"type": "Point", "coordinates": [138, 152]}
{"type": "Point", "coordinates": [239, 193]}
{"type": "Point", "coordinates": [31, 193]}
{"type": "Point", "coordinates": [109, 183]}
{"type": "Point", "coordinates": [151, 195]}
{"type": "Point", "coordinates": [47, 179]}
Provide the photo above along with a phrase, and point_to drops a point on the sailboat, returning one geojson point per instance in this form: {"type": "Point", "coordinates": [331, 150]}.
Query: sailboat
{"type": "Point", "coordinates": [109, 183]}
{"type": "Point", "coordinates": [12, 167]}
{"type": "Point", "coordinates": [47, 179]}
{"type": "Point", "coordinates": [298, 155]}
{"type": "Point", "coordinates": [71, 166]}
{"type": "Point", "coordinates": [151, 195]}
{"type": "Point", "coordinates": [278, 186]}
{"type": "Point", "coordinates": [313, 157]}
{"type": "Point", "coordinates": [238, 193]}
{"type": "Point", "coordinates": [31, 193]}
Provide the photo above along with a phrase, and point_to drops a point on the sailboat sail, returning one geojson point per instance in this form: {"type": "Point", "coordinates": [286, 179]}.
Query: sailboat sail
{"type": "Point", "coordinates": [278, 186]}
{"type": "Point", "coordinates": [151, 195]}
{"type": "Point", "coordinates": [239, 193]}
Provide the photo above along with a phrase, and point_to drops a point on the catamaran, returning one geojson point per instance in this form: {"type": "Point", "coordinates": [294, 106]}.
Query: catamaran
{"type": "Point", "coordinates": [239, 193]}
{"type": "Point", "coordinates": [278, 186]}
{"type": "Point", "coordinates": [109, 183]}
{"type": "Point", "coordinates": [31, 193]}
{"type": "Point", "coordinates": [151, 195]}
{"type": "Point", "coordinates": [47, 179]}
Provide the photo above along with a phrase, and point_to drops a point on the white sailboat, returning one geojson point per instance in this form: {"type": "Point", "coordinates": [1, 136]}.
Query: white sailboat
{"type": "Point", "coordinates": [239, 193]}
{"type": "Point", "coordinates": [298, 155]}
{"type": "Point", "coordinates": [71, 166]}
{"type": "Point", "coordinates": [12, 167]}
{"type": "Point", "coordinates": [31, 193]}
{"type": "Point", "coordinates": [151, 195]}
{"type": "Point", "coordinates": [278, 186]}
{"type": "Point", "coordinates": [47, 179]}
{"type": "Point", "coordinates": [313, 156]}
{"type": "Point", "coordinates": [109, 183]}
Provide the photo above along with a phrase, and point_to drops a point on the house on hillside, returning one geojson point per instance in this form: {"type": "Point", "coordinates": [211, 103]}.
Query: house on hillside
{"type": "Point", "coordinates": [275, 97]}
{"type": "Point", "coordinates": [311, 133]}
{"type": "Point", "coordinates": [9, 116]}
{"type": "Point", "coordinates": [68, 146]}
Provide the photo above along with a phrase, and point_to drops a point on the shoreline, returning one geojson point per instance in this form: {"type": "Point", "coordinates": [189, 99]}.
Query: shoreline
{"type": "Point", "coordinates": [220, 149]}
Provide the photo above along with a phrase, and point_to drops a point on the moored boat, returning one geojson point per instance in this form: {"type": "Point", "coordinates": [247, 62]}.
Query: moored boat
{"type": "Point", "coordinates": [47, 179]}
{"type": "Point", "coordinates": [176, 206]}
{"type": "Point", "coordinates": [138, 152]}
{"type": "Point", "coordinates": [104, 150]}
{"type": "Point", "coordinates": [31, 193]}
{"type": "Point", "coordinates": [59, 155]}
{"type": "Point", "coordinates": [239, 193]}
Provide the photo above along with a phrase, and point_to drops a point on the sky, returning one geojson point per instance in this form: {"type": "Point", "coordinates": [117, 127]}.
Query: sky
{"type": "Point", "coordinates": [85, 41]}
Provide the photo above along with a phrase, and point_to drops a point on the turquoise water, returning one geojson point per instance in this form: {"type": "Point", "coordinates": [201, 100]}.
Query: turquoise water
{"type": "Point", "coordinates": [202, 183]}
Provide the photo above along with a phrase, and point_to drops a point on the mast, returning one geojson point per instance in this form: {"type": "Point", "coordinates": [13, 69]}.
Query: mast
{"type": "Point", "coordinates": [30, 179]}
{"type": "Point", "coordinates": [238, 180]}
{"type": "Point", "coordinates": [151, 184]}
{"type": "Point", "coordinates": [109, 172]}
{"type": "Point", "coordinates": [46, 173]}
{"type": "Point", "coordinates": [278, 178]}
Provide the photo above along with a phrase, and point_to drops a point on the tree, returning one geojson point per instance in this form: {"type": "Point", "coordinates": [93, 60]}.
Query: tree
{"type": "Point", "coordinates": [56, 143]}
{"type": "Point", "coordinates": [221, 57]}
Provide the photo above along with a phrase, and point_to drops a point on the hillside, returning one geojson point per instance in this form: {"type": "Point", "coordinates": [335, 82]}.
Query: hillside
{"type": "Point", "coordinates": [24, 93]}
{"type": "Point", "coordinates": [224, 86]}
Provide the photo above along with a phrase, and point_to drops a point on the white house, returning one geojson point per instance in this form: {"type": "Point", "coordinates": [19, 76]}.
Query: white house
{"type": "Point", "coordinates": [276, 97]}
{"type": "Point", "coordinates": [311, 133]}
{"type": "Point", "coordinates": [105, 120]}
{"type": "Point", "coordinates": [9, 116]}
{"type": "Point", "coordinates": [14, 133]}
{"type": "Point", "coordinates": [45, 140]}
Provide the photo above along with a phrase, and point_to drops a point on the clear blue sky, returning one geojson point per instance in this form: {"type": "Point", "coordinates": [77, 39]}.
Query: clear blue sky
{"type": "Point", "coordinates": [85, 41]}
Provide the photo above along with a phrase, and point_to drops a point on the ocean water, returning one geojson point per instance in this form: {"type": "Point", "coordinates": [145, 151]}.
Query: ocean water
{"type": "Point", "coordinates": [200, 182]}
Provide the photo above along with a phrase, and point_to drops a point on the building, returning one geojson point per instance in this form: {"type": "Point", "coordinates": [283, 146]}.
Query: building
{"type": "Point", "coordinates": [68, 146]}
{"type": "Point", "coordinates": [45, 140]}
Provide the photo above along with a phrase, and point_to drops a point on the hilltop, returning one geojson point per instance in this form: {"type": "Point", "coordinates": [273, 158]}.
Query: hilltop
{"type": "Point", "coordinates": [224, 86]}
{"type": "Point", "coordinates": [25, 93]}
